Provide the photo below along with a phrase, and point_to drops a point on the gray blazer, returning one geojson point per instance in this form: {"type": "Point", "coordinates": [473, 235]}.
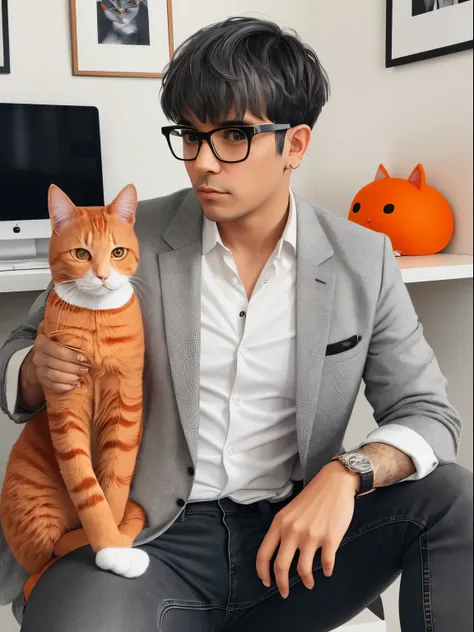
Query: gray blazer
{"type": "Point", "coordinates": [348, 284]}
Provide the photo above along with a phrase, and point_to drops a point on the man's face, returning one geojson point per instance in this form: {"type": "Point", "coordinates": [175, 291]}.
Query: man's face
{"type": "Point", "coordinates": [231, 191]}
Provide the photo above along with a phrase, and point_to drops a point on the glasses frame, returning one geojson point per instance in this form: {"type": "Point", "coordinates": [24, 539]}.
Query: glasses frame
{"type": "Point", "coordinates": [250, 131]}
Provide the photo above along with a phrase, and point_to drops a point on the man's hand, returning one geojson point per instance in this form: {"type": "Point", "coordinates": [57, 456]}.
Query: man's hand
{"type": "Point", "coordinates": [50, 366]}
{"type": "Point", "coordinates": [317, 518]}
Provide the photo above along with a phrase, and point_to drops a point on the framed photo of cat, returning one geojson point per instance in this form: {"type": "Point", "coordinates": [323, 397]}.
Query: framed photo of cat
{"type": "Point", "coordinates": [4, 46]}
{"type": "Point", "coordinates": [422, 29]}
{"type": "Point", "coordinates": [121, 38]}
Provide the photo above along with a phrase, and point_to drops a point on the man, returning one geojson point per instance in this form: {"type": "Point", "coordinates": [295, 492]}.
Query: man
{"type": "Point", "coordinates": [262, 316]}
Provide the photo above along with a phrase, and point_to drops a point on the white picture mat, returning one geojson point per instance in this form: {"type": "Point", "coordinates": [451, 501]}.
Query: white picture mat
{"type": "Point", "coordinates": [417, 34]}
{"type": "Point", "coordinates": [92, 56]}
{"type": "Point", "coordinates": [2, 61]}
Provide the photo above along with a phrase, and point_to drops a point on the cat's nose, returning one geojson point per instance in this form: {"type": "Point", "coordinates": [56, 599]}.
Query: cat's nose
{"type": "Point", "coordinates": [103, 278]}
{"type": "Point", "coordinates": [369, 219]}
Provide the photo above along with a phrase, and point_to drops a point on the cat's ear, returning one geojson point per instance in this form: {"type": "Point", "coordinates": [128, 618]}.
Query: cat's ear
{"type": "Point", "coordinates": [382, 173]}
{"type": "Point", "coordinates": [61, 210]}
{"type": "Point", "coordinates": [418, 177]}
{"type": "Point", "coordinates": [125, 204]}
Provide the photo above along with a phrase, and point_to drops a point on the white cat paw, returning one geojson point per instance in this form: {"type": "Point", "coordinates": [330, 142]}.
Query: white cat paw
{"type": "Point", "coordinates": [123, 561]}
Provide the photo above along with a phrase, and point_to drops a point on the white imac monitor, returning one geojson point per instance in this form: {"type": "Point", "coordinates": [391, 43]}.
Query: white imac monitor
{"type": "Point", "coordinates": [43, 145]}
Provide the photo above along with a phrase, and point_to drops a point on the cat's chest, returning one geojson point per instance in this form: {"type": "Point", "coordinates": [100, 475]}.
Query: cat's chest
{"type": "Point", "coordinates": [110, 339]}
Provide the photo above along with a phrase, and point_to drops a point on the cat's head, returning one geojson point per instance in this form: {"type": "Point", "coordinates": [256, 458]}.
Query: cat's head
{"type": "Point", "coordinates": [93, 250]}
{"type": "Point", "coordinates": [120, 10]}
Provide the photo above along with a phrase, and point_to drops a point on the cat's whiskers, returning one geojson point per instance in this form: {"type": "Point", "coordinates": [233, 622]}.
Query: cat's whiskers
{"type": "Point", "coordinates": [137, 289]}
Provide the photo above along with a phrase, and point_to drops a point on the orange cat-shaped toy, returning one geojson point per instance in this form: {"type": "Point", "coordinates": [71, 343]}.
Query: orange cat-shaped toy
{"type": "Point", "coordinates": [68, 477]}
{"type": "Point", "coordinates": [416, 217]}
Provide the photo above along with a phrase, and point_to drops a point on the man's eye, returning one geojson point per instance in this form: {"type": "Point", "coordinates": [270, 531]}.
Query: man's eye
{"type": "Point", "coordinates": [235, 135]}
{"type": "Point", "coordinates": [81, 254]}
{"type": "Point", "coordinates": [119, 253]}
{"type": "Point", "coordinates": [190, 138]}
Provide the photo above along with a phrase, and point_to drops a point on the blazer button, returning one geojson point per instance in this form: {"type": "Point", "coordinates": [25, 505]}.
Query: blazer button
{"type": "Point", "coordinates": [191, 471]}
{"type": "Point", "coordinates": [180, 502]}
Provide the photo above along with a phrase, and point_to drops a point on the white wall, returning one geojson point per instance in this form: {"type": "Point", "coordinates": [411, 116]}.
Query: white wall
{"type": "Point", "coordinates": [417, 113]}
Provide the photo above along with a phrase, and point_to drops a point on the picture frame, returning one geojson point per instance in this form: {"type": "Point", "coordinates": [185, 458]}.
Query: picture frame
{"type": "Point", "coordinates": [121, 38]}
{"type": "Point", "coordinates": [423, 29]}
{"type": "Point", "coordinates": [4, 39]}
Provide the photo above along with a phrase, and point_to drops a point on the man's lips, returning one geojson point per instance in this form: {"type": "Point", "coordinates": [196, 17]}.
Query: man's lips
{"type": "Point", "coordinates": [210, 190]}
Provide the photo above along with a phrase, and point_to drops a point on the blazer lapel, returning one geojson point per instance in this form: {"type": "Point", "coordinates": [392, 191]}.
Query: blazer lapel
{"type": "Point", "coordinates": [180, 273]}
{"type": "Point", "coordinates": [315, 284]}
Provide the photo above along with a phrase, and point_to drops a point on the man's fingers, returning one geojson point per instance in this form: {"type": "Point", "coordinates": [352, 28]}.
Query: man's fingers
{"type": "Point", "coordinates": [47, 385]}
{"type": "Point", "coordinates": [60, 365]}
{"type": "Point", "coordinates": [58, 377]}
{"type": "Point", "coordinates": [265, 554]}
{"type": "Point", "coordinates": [328, 557]}
{"type": "Point", "coordinates": [44, 345]}
{"type": "Point", "coordinates": [59, 352]}
{"type": "Point", "coordinates": [305, 565]}
{"type": "Point", "coordinates": [282, 565]}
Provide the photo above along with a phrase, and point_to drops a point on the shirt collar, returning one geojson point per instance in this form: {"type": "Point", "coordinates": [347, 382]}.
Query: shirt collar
{"type": "Point", "coordinates": [211, 236]}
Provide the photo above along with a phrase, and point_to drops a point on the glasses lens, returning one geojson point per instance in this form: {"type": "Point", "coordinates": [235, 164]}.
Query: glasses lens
{"type": "Point", "coordinates": [231, 144]}
{"type": "Point", "coordinates": [184, 144]}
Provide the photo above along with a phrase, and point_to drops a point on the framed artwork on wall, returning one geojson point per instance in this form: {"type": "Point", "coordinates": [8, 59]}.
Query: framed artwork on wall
{"type": "Point", "coordinates": [422, 29]}
{"type": "Point", "coordinates": [121, 38]}
{"type": "Point", "coordinates": [4, 45]}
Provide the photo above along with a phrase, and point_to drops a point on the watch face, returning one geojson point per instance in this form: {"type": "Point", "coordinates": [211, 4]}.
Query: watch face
{"type": "Point", "coordinates": [359, 463]}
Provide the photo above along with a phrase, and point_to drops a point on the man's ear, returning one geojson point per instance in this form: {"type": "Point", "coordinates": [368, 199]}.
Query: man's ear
{"type": "Point", "coordinates": [299, 138]}
{"type": "Point", "coordinates": [62, 212]}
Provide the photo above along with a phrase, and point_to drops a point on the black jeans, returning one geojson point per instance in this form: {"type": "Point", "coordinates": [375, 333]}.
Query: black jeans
{"type": "Point", "coordinates": [202, 574]}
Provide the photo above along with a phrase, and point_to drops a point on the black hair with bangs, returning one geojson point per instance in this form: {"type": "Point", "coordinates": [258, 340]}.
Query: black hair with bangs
{"type": "Point", "coordinates": [247, 64]}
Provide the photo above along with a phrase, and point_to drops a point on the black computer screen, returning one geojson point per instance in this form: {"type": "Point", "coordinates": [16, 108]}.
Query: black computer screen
{"type": "Point", "coordinates": [42, 145]}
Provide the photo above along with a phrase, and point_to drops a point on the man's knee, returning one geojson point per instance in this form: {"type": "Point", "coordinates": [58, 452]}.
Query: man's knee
{"type": "Point", "coordinates": [75, 595]}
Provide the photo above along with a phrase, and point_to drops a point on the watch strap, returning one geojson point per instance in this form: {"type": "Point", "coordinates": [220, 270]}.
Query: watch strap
{"type": "Point", "coordinates": [367, 479]}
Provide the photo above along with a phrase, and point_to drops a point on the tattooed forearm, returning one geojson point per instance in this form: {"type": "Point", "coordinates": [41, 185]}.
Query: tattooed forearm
{"type": "Point", "coordinates": [391, 465]}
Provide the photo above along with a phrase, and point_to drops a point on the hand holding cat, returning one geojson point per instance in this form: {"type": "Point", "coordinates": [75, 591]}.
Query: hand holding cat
{"type": "Point", "coordinates": [58, 369]}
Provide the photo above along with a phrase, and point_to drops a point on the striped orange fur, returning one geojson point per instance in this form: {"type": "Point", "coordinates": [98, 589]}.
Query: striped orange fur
{"type": "Point", "coordinates": [68, 478]}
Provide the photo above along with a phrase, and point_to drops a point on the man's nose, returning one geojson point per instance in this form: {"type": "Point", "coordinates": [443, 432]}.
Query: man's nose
{"type": "Point", "coordinates": [206, 162]}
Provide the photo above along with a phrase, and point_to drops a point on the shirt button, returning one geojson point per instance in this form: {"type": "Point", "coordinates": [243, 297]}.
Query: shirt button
{"type": "Point", "coordinates": [237, 400]}
{"type": "Point", "coordinates": [191, 471]}
{"type": "Point", "coordinates": [242, 314]}
{"type": "Point", "coordinates": [180, 502]}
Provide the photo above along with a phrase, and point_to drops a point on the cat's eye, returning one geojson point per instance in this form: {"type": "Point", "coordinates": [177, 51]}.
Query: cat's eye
{"type": "Point", "coordinates": [81, 254]}
{"type": "Point", "coordinates": [356, 207]}
{"type": "Point", "coordinates": [119, 253]}
{"type": "Point", "coordinates": [388, 209]}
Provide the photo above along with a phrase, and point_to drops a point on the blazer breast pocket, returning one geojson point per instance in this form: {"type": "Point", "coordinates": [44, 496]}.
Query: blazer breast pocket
{"type": "Point", "coordinates": [343, 348]}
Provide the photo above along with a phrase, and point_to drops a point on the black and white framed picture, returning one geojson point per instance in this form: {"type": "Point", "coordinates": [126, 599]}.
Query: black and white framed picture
{"type": "Point", "coordinates": [4, 46]}
{"type": "Point", "coordinates": [121, 38]}
{"type": "Point", "coordinates": [422, 29]}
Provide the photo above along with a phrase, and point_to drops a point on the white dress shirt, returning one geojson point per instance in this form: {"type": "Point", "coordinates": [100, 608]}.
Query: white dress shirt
{"type": "Point", "coordinates": [247, 444]}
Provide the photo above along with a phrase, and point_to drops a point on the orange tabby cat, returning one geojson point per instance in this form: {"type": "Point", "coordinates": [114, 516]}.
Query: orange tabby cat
{"type": "Point", "coordinates": [73, 463]}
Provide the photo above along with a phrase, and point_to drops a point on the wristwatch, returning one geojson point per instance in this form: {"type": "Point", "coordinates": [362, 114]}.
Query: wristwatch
{"type": "Point", "coordinates": [362, 465]}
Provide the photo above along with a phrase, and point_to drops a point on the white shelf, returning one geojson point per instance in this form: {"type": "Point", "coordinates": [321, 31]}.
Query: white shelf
{"type": "Point", "coordinates": [24, 280]}
{"type": "Point", "coordinates": [414, 270]}
{"type": "Point", "coordinates": [435, 268]}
